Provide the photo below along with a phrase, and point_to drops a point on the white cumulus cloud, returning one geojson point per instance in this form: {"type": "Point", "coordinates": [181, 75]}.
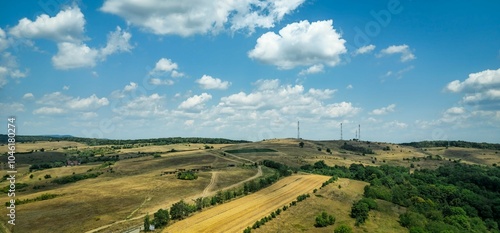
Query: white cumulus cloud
{"type": "Point", "coordinates": [364, 49]}
{"type": "Point", "coordinates": [300, 44]}
{"type": "Point", "coordinates": [67, 26]}
{"type": "Point", "coordinates": [384, 110]}
{"type": "Point", "coordinates": [158, 82]}
{"type": "Point", "coordinates": [118, 41]}
{"type": "Point", "coordinates": [12, 107]}
{"type": "Point", "coordinates": [67, 30]}
{"type": "Point", "coordinates": [58, 103]}
{"type": "Point", "coordinates": [186, 18]}
{"type": "Point", "coordinates": [196, 101]}
{"type": "Point", "coordinates": [476, 81]}
{"type": "Point", "coordinates": [404, 50]}
{"type": "Point", "coordinates": [28, 96]}
{"type": "Point", "coordinates": [143, 106]}
{"type": "Point", "coordinates": [481, 89]}
{"type": "Point", "coordinates": [318, 68]}
{"type": "Point", "coordinates": [92, 102]}
{"type": "Point", "coordinates": [74, 55]}
{"type": "Point", "coordinates": [209, 82]}
{"type": "Point", "coordinates": [165, 65]}
{"type": "Point", "coordinates": [48, 111]}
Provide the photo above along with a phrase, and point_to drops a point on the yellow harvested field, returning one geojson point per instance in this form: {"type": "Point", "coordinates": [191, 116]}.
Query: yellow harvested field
{"type": "Point", "coordinates": [238, 214]}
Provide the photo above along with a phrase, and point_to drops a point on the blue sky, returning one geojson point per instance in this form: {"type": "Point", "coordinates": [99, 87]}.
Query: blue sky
{"type": "Point", "coordinates": [250, 69]}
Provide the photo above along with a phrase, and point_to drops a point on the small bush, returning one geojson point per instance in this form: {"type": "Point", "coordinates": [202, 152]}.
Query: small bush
{"type": "Point", "coordinates": [324, 220]}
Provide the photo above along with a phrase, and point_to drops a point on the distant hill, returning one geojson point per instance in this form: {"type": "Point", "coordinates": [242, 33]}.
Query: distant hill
{"type": "Point", "coordinates": [97, 141]}
{"type": "Point", "coordinates": [57, 136]}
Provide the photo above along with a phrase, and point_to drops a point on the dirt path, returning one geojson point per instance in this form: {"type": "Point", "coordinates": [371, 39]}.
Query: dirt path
{"type": "Point", "coordinates": [236, 215]}
{"type": "Point", "coordinates": [205, 193]}
{"type": "Point", "coordinates": [210, 186]}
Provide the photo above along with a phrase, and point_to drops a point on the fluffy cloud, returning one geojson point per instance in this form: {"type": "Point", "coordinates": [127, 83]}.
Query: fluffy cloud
{"type": "Point", "coordinates": [58, 103]}
{"type": "Point", "coordinates": [267, 84]}
{"type": "Point", "coordinates": [143, 106]}
{"type": "Point", "coordinates": [285, 100]}
{"type": "Point", "coordinates": [74, 55]}
{"type": "Point", "coordinates": [338, 110]}
{"type": "Point", "coordinates": [200, 17]}
{"type": "Point", "coordinates": [196, 101]}
{"type": "Point", "coordinates": [312, 70]}
{"type": "Point", "coordinates": [481, 89]}
{"type": "Point", "coordinates": [9, 69]}
{"type": "Point", "coordinates": [454, 115]}
{"type": "Point", "coordinates": [208, 82]}
{"type": "Point", "coordinates": [92, 102]}
{"type": "Point", "coordinates": [66, 26]}
{"type": "Point", "coordinates": [165, 65]}
{"type": "Point", "coordinates": [67, 30]}
{"type": "Point", "coordinates": [300, 44]}
{"type": "Point", "coordinates": [483, 80]}
{"type": "Point", "coordinates": [158, 82]}
{"type": "Point", "coordinates": [49, 111]}
{"type": "Point", "coordinates": [404, 50]}
{"type": "Point", "coordinates": [28, 96]}
{"type": "Point", "coordinates": [12, 107]}
{"type": "Point", "coordinates": [130, 87]}
{"type": "Point", "coordinates": [118, 41]}
{"type": "Point", "coordinates": [384, 110]}
{"type": "Point", "coordinates": [364, 49]}
{"type": "Point", "coordinates": [321, 94]}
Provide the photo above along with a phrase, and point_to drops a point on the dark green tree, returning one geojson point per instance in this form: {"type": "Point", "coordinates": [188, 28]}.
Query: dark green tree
{"type": "Point", "coordinates": [180, 210]}
{"type": "Point", "coordinates": [146, 222]}
{"type": "Point", "coordinates": [324, 220]}
{"type": "Point", "coordinates": [359, 211]}
{"type": "Point", "coordinates": [161, 218]}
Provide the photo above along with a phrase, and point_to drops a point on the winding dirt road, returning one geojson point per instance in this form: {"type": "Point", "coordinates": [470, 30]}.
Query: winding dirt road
{"type": "Point", "coordinates": [206, 192]}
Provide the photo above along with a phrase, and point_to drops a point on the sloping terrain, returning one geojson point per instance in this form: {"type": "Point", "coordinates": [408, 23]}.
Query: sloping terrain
{"type": "Point", "coordinates": [238, 214]}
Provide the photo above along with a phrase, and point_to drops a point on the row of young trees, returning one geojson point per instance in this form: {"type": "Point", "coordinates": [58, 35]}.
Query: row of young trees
{"type": "Point", "coordinates": [455, 197]}
{"type": "Point", "coordinates": [274, 214]}
{"type": "Point", "coordinates": [181, 209]}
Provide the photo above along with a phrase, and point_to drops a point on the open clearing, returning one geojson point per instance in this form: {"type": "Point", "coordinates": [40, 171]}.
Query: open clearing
{"type": "Point", "coordinates": [238, 214]}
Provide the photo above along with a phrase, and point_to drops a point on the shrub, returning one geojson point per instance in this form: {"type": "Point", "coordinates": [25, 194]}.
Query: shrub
{"type": "Point", "coordinates": [324, 220]}
{"type": "Point", "coordinates": [187, 175]}
{"type": "Point", "coordinates": [343, 229]}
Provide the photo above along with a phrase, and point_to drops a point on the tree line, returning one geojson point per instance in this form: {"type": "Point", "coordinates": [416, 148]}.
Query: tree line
{"type": "Point", "coordinates": [463, 144]}
{"type": "Point", "coordinates": [99, 141]}
{"type": "Point", "coordinates": [358, 149]}
{"type": "Point", "coordinates": [452, 198]}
